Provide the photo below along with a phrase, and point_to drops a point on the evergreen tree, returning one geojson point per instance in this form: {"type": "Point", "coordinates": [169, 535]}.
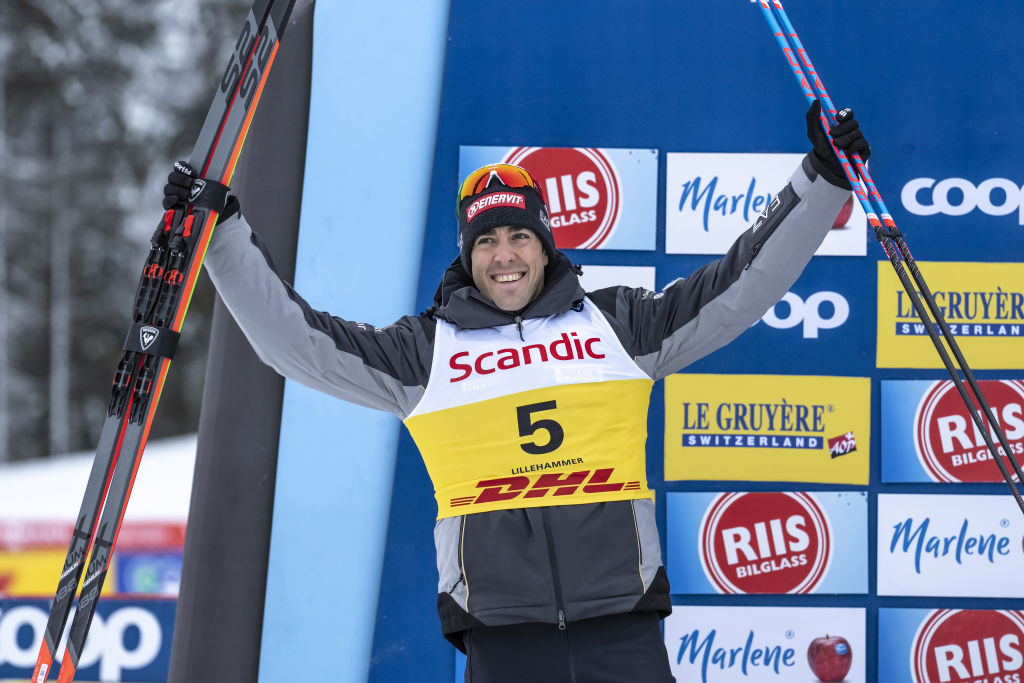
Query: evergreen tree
{"type": "Point", "coordinates": [99, 98]}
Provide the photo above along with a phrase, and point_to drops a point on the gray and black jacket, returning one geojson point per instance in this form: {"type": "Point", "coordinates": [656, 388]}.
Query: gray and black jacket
{"type": "Point", "coordinates": [543, 564]}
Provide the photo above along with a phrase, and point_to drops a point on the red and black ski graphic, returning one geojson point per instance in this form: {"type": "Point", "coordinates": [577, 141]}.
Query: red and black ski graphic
{"type": "Point", "coordinates": [165, 289]}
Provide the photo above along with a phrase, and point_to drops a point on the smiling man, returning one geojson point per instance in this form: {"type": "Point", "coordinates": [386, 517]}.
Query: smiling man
{"type": "Point", "coordinates": [527, 398]}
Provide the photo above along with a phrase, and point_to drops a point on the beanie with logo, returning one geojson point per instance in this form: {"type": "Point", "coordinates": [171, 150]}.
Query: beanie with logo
{"type": "Point", "coordinates": [496, 205]}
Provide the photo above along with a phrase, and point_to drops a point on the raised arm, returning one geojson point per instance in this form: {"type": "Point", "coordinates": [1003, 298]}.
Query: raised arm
{"type": "Point", "coordinates": [690, 318]}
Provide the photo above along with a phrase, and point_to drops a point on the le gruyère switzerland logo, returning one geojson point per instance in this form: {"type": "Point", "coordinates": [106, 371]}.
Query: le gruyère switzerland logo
{"type": "Point", "coordinates": [949, 444]}
{"type": "Point", "coordinates": [582, 190]}
{"type": "Point", "coordinates": [765, 542]}
{"type": "Point", "coordinates": [976, 646]}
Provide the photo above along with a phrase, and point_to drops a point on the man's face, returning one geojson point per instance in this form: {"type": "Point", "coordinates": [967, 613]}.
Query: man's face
{"type": "Point", "coordinates": [508, 266]}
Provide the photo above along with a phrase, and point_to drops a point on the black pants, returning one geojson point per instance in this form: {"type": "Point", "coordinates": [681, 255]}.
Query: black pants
{"type": "Point", "coordinates": [621, 648]}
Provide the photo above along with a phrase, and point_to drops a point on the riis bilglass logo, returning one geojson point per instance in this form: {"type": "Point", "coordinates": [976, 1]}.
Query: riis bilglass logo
{"type": "Point", "coordinates": [929, 435]}
{"type": "Point", "coordinates": [765, 542]}
{"type": "Point", "coordinates": [976, 646]}
{"type": "Point", "coordinates": [775, 542]}
{"type": "Point", "coordinates": [598, 198]}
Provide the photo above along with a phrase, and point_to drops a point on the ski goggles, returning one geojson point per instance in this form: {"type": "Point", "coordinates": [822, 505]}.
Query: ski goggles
{"type": "Point", "coordinates": [509, 175]}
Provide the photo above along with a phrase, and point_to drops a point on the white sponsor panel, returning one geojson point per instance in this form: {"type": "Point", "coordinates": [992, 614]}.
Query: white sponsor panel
{"type": "Point", "coordinates": [710, 199]}
{"type": "Point", "coordinates": [599, 277]}
{"type": "Point", "coordinates": [819, 311]}
{"type": "Point", "coordinates": [950, 545]}
{"type": "Point", "coordinates": [960, 196]}
{"type": "Point", "coordinates": [761, 644]}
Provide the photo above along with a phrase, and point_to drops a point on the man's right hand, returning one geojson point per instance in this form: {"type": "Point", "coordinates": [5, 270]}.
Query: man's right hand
{"type": "Point", "coordinates": [179, 188]}
{"type": "Point", "coordinates": [179, 185]}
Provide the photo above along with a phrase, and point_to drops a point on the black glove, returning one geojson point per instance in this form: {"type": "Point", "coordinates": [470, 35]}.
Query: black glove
{"type": "Point", "coordinates": [847, 136]}
{"type": "Point", "coordinates": [178, 191]}
{"type": "Point", "coordinates": [179, 185]}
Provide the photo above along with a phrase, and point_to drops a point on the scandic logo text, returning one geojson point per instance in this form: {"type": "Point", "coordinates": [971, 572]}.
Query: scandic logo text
{"type": "Point", "coordinates": [492, 201]}
{"type": "Point", "coordinates": [566, 347]}
{"type": "Point", "coordinates": [564, 484]}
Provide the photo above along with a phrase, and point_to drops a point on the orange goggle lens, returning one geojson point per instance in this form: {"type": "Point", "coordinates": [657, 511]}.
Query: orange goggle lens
{"type": "Point", "coordinates": [478, 180]}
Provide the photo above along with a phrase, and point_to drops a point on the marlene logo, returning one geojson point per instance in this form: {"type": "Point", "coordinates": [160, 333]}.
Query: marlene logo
{"type": "Point", "coordinates": [949, 444]}
{"type": "Point", "coordinates": [959, 547]}
{"type": "Point", "coordinates": [582, 190]}
{"type": "Point", "coordinates": [981, 646]}
{"type": "Point", "coordinates": [765, 542]}
{"type": "Point", "coordinates": [566, 347]}
{"type": "Point", "coordinates": [749, 657]}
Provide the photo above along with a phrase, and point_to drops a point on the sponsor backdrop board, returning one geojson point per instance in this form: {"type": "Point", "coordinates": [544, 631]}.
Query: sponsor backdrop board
{"type": "Point", "coordinates": [129, 640]}
{"type": "Point", "coordinates": [767, 542]}
{"type": "Point", "coordinates": [950, 545]}
{"type": "Point", "coordinates": [767, 428]}
{"type": "Point", "coordinates": [928, 434]}
{"type": "Point", "coordinates": [710, 199]}
{"type": "Point", "coordinates": [982, 302]}
{"type": "Point", "coordinates": [705, 80]}
{"type": "Point", "coordinates": [950, 646]}
{"type": "Point", "coordinates": [762, 644]}
{"type": "Point", "coordinates": [597, 198]}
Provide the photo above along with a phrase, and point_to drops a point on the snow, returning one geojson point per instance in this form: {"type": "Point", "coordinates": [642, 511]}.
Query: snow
{"type": "Point", "coordinates": [51, 488]}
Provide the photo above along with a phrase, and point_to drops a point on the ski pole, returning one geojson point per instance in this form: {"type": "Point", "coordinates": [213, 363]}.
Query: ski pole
{"type": "Point", "coordinates": [890, 235]}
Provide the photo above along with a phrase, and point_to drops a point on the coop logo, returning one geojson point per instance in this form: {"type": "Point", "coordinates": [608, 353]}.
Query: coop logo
{"type": "Point", "coordinates": [820, 311]}
{"type": "Point", "coordinates": [106, 645]}
{"type": "Point", "coordinates": [975, 646]}
{"type": "Point", "coordinates": [765, 542]}
{"type": "Point", "coordinates": [582, 190]}
{"type": "Point", "coordinates": [949, 444]}
{"type": "Point", "coordinates": [959, 197]}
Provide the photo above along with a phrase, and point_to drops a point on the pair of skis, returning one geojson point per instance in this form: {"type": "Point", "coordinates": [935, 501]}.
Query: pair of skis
{"type": "Point", "coordinates": [161, 301]}
{"type": "Point", "coordinates": [897, 252]}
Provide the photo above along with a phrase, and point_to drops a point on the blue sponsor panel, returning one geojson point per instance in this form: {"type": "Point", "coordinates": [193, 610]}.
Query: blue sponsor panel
{"type": "Point", "coordinates": [824, 324]}
{"type": "Point", "coordinates": [129, 640]}
{"type": "Point", "coordinates": [767, 542]}
{"type": "Point", "coordinates": [950, 646]}
{"type": "Point", "coordinates": [597, 198]}
{"type": "Point", "coordinates": [928, 435]}
{"type": "Point", "coordinates": [150, 573]}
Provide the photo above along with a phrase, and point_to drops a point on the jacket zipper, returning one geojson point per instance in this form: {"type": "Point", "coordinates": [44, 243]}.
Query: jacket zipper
{"type": "Point", "coordinates": [554, 570]}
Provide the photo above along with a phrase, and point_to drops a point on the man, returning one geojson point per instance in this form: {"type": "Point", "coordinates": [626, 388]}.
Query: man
{"type": "Point", "coordinates": [528, 399]}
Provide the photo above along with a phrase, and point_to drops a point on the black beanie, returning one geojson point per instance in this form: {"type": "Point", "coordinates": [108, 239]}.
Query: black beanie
{"type": "Point", "coordinates": [497, 205]}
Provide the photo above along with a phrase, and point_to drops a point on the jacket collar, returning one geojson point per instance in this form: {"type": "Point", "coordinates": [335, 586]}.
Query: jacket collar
{"type": "Point", "coordinates": [458, 301]}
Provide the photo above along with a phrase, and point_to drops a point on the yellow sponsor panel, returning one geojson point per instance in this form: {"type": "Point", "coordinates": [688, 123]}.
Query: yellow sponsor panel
{"type": "Point", "coordinates": [982, 302]}
{"type": "Point", "coordinates": [34, 573]}
{"type": "Point", "coordinates": [560, 445]}
{"type": "Point", "coordinates": [768, 428]}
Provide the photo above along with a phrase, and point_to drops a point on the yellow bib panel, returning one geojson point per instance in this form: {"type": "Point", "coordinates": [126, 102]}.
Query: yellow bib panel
{"type": "Point", "coordinates": [559, 419]}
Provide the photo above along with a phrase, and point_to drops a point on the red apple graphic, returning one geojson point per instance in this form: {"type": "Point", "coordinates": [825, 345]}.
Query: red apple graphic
{"type": "Point", "coordinates": [829, 658]}
{"type": "Point", "coordinates": [844, 213]}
